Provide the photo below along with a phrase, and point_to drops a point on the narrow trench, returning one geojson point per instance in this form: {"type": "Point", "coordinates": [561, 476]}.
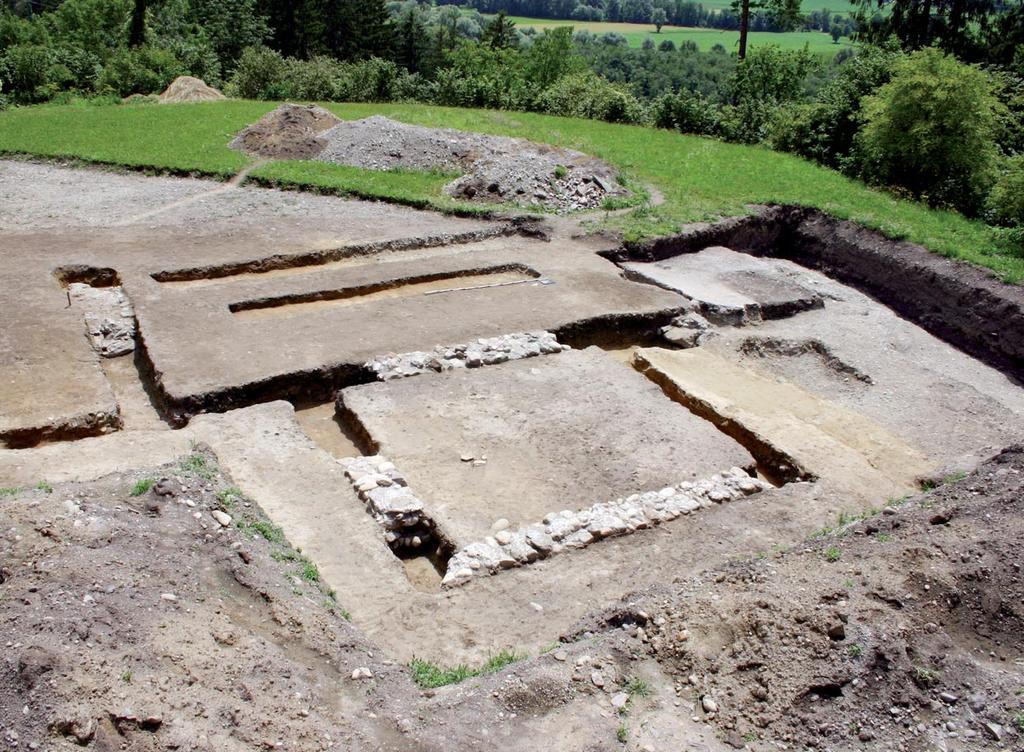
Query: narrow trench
{"type": "Point", "coordinates": [425, 284]}
{"type": "Point", "coordinates": [341, 435]}
{"type": "Point", "coordinates": [136, 397]}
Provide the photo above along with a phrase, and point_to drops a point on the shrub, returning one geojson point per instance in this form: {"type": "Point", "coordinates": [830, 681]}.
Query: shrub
{"type": "Point", "coordinates": [930, 131]}
{"type": "Point", "coordinates": [766, 79]}
{"type": "Point", "coordinates": [141, 70]}
{"type": "Point", "coordinates": [824, 130]}
{"type": "Point", "coordinates": [23, 69]}
{"type": "Point", "coordinates": [478, 76]}
{"type": "Point", "coordinates": [1006, 201]}
{"type": "Point", "coordinates": [686, 112]}
{"type": "Point", "coordinates": [372, 80]}
{"type": "Point", "coordinates": [261, 74]}
{"type": "Point", "coordinates": [318, 79]}
{"type": "Point", "coordinates": [587, 95]}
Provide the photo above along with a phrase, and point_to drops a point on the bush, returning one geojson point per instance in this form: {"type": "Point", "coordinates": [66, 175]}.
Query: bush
{"type": "Point", "coordinates": [930, 131]}
{"type": "Point", "coordinates": [372, 80]}
{"type": "Point", "coordinates": [141, 70]}
{"type": "Point", "coordinates": [23, 68]}
{"type": "Point", "coordinates": [587, 95]}
{"type": "Point", "coordinates": [1006, 201]}
{"type": "Point", "coordinates": [261, 74]}
{"type": "Point", "coordinates": [686, 112]}
{"type": "Point", "coordinates": [824, 130]}
{"type": "Point", "coordinates": [766, 79]}
{"type": "Point", "coordinates": [478, 76]}
{"type": "Point", "coordinates": [318, 79]}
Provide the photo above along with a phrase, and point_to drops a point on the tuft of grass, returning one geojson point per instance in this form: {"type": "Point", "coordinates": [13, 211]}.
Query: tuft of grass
{"type": "Point", "coordinates": [622, 733]}
{"type": "Point", "coordinates": [431, 675]}
{"type": "Point", "coordinates": [228, 497]}
{"type": "Point", "coordinates": [267, 529]}
{"type": "Point", "coordinates": [44, 487]}
{"type": "Point", "coordinates": [308, 571]}
{"type": "Point", "coordinates": [197, 464]}
{"type": "Point", "coordinates": [553, 645]}
{"type": "Point", "coordinates": [855, 651]}
{"type": "Point", "coordinates": [126, 676]}
{"type": "Point", "coordinates": [925, 677]}
{"type": "Point", "coordinates": [954, 477]}
{"type": "Point", "coordinates": [730, 177]}
{"type": "Point", "coordinates": [1018, 721]}
{"type": "Point", "coordinates": [142, 486]}
{"type": "Point", "coordinates": [637, 687]}
{"type": "Point", "coordinates": [9, 491]}
{"type": "Point", "coordinates": [883, 537]}
{"type": "Point", "coordinates": [833, 554]}
{"type": "Point", "coordinates": [501, 659]}
{"type": "Point", "coordinates": [560, 172]}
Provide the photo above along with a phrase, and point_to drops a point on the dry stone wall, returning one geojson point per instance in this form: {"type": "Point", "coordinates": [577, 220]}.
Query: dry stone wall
{"type": "Point", "coordinates": [567, 530]}
{"type": "Point", "coordinates": [482, 352]}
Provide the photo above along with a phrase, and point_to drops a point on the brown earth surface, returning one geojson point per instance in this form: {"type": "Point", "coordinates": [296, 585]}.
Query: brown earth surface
{"type": "Point", "coordinates": [838, 610]}
{"type": "Point", "coordinates": [139, 622]}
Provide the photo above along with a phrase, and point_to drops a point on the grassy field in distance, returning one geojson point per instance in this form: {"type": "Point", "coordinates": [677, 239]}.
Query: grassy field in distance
{"type": "Point", "coordinates": [700, 178]}
{"type": "Point", "coordinates": [818, 41]}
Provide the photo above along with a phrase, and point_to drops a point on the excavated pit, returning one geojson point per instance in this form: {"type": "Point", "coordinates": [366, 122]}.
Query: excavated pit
{"type": "Point", "coordinates": [543, 481]}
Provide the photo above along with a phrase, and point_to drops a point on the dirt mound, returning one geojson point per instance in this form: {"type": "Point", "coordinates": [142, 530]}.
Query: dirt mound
{"type": "Point", "coordinates": [189, 89]}
{"type": "Point", "coordinates": [292, 131]}
{"type": "Point", "coordinates": [902, 631]}
{"type": "Point", "coordinates": [498, 168]}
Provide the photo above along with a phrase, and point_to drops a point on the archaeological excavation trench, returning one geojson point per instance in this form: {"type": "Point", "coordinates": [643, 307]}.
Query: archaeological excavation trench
{"type": "Point", "coordinates": [477, 430]}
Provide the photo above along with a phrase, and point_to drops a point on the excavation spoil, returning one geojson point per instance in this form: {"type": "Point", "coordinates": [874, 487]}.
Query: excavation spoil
{"type": "Point", "coordinates": [498, 168]}
{"type": "Point", "coordinates": [292, 131]}
{"type": "Point", "coordinates": [899, 632]}
{"type": "Point", "coordinates": [189, 89]}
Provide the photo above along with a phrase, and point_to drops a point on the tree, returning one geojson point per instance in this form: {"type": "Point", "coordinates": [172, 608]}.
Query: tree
{"type": "Point", "coordinates": [957, 26]}
{"type": "Point", "coordinates": [412, 46]}
{"type": "Point", "coordinates": [930, 131]}
{"type": "Point", "coordinates": [837, 34]}
{"type": "Point", "coordinates": [500, 33]}
{"type": "Point", "coordinates": [785, 14]}
{"type": "Point", "coordinates": [659, 18]}
{"type": "Point", "coordinates": [137, 27]}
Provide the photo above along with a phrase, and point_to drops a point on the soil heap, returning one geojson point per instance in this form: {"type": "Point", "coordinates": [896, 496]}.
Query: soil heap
{"type": "Point", "coordinates": [496, 168]}
{"type": "Point", "coordinates": [189, 89]}
{"type": "Point", "coordinates": [292, 131]}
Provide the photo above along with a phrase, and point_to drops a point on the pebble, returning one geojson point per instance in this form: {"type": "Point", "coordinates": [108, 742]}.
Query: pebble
{"type": "Point", "coordinates": [168, 597]}
{"type": "Point", "coordinates": [597, 678]}
{"type": "Point", "coordinates": [362, 673]}
{"type": "Point", "coordinates": [948, 697]}
{"type": "Point", "coordinates": [709, 705]}
{"type": "Point", "coordinates": [619, 700]}
{"type": "Point", "coordinates": [222, 517]}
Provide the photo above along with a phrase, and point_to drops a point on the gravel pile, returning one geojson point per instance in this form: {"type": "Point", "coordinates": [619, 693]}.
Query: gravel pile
{"type": "Point", "coordinates": [497, 168]}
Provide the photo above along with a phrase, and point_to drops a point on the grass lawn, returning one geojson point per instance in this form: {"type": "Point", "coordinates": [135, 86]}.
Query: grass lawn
{"type": "Point", "coordinates": [700, 178]}
{"type": "Point", "coordinates": [819, 42]}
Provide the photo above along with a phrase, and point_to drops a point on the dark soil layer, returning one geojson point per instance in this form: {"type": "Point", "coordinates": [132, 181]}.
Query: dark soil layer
{"type": "Point", "coordinates": [960, 303]}
{"type": "Point", "coordinates": [903, 631]}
